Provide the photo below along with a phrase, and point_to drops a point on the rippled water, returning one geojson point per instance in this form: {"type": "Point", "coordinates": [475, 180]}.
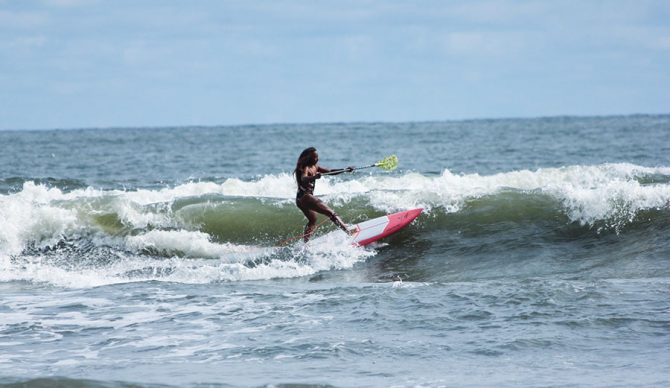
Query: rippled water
{"type": "Point", "coordinates": [155, 256]}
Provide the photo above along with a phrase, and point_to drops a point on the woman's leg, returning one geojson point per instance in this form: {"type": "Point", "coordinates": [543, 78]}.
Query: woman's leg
{"type": "Point", "coordinates": [311, 220]}
{"type": "Point", "coordinates": [314, 204]}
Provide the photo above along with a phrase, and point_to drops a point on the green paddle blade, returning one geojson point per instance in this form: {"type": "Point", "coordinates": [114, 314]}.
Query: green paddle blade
{"type": "Point", "coordinates": [389, 163]}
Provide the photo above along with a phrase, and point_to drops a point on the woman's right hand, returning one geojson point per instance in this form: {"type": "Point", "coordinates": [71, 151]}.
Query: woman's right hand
{"type": "Point", "coordinates": [317, 175]}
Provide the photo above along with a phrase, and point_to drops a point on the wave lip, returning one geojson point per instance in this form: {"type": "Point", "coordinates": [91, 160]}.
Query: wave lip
{"type": "Point", "coordinates": [612, 193]}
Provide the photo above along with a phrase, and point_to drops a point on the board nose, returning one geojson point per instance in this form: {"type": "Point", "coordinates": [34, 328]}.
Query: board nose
{"type": "Point", "coordinates": [415, 212]}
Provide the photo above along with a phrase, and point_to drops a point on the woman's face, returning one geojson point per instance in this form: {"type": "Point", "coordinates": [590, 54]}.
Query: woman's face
{"type": "Point", "coordinates": [315, 158]}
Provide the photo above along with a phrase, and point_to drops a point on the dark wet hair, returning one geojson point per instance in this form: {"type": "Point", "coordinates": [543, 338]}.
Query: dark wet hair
{"type": "Point", "coordinates": [305, 159]}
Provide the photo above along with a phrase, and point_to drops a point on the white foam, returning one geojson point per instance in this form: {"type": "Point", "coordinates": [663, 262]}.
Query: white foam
{"type": "Point", "coordinates": [192, 244]}
{"type": "Point", "coordinates": [589, 193]}
{"type": "Point", "coordinates": [333, 251]}
{"type": "Point", "coordinates": [30, 215]}
{"type": "Point", "coordinates": [43, 216]}
{"type": "Point", "coordinates": [330, 253]}
{"type": "Point", "coordinates": [32, 269]}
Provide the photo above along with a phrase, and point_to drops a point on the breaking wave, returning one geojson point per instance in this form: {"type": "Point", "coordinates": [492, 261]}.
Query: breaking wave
{"type": "Point", "coordinates": [58, 231]}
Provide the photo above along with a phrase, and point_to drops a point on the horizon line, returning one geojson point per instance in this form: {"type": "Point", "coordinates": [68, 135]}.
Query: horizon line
{"type": "Point", "coordinates": [240, 125]}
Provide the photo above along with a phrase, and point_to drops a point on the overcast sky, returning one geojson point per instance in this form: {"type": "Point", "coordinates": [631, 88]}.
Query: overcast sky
{"type": "Point", "coordinates": [88, 63]}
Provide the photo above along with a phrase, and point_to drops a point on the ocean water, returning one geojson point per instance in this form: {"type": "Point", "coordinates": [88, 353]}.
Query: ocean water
{"type": "Point", "coordinates": [158, 256]}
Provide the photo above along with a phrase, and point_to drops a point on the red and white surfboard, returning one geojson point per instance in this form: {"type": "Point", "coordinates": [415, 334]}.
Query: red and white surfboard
{"type": "Point", "coordinates": [372, 230]}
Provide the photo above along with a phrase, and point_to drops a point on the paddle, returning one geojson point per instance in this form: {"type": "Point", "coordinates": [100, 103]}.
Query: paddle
{"type": "Point", "coordinates": [389, 163]}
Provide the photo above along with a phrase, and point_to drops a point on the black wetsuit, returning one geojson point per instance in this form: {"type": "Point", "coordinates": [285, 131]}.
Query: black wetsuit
{"type": "Point", "coordinates": [306, 189]}
{"type": "Point", "coordinates": [312, 205]}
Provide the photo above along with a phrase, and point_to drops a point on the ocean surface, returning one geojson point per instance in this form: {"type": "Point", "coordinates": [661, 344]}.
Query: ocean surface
{"type": "Point", "coordinates": [158, 256]}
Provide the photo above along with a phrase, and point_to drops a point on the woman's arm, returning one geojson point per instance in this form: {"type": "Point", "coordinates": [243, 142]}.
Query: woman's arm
{"type": "Point", "coordinates": [306, 178]}
{"type": "Point", "coordinates": [336, 171]}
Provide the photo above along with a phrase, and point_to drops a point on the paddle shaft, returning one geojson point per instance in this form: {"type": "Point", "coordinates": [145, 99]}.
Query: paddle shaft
{"type": "Point", "coordinates": [345, 170]}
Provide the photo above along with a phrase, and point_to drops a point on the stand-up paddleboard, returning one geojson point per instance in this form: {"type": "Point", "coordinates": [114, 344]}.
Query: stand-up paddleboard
{"type": "Point", "coordinates": [377, 228]}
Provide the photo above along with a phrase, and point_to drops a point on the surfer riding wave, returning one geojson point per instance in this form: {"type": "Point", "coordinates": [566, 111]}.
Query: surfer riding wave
{"type": "Point", "coordinates": [307, 171]}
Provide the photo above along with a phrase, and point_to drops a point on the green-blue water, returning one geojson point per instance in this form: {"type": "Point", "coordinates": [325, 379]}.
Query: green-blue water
{"type": "Point", "coordinates": [154, 256]}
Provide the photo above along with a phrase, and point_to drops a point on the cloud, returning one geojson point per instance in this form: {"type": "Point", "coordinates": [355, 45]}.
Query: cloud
{"type": "Point", "coordinates": [499, 11]}
{"type": "Point", "coordinates": [21, 20]}
{"type": "Point", "coordinates": [661, 42]}
{"type": "Point", "coordinates": [330, 56]}
{"type": "Point", "coordinates": [69, 3]}
{"type": "Point", "coordinates": [28, 42]}
{"type": "Point", "coordinates": [640, 37]}
{"type": "Point", "coordinates": [485, 44]}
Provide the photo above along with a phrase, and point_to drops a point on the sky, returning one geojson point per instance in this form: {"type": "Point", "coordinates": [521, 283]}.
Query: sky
{"type": "Point", "coordinates": [139, 63]}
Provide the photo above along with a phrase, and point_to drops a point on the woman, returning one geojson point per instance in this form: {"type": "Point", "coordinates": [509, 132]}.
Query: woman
{"type": "Point", "coordinates": [307, 171]}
